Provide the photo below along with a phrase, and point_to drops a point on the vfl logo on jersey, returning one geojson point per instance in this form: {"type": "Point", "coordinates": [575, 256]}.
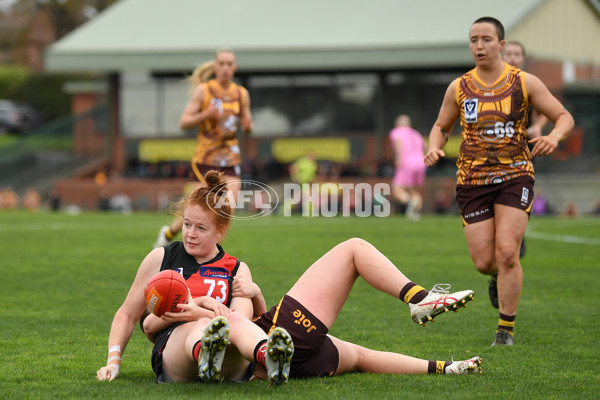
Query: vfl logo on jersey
{"type": "Point", "coordinates": [524, 196]}
{"type": "Point", "coordinates": [218, 104]}
{"type": "Point", "coordinates": [470, 107]}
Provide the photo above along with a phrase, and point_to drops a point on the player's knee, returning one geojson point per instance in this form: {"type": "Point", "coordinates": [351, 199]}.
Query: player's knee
{"type": "Point", "coordinates": [507, 255]}
{"type": "Point", "coordinates": [235, 318]}
{"type": "Point", "coordinates": [351, 357]}
{"type": "Point", "coordinates": [356, 242]}
{"type": "Point", "coordinates": [484, 265]}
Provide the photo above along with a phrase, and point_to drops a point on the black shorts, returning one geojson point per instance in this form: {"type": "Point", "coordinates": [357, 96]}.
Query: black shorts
{"type": "Point", "coordinates": [314, 352]}
{"type": "Point", "coordinates": [160, 341]}
{"type": "Point", "coordinates": [201, 169]}
{"type": "Point", "coordinates": [476, 202]}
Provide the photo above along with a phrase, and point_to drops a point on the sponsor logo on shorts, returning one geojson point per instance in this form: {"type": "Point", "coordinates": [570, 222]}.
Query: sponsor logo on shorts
{"type": "Point", "coordinates": [303, 321]}
{"type": "Point", "coordinates": [470, 108]}
{"type": "Point", "coordinates": [477, 213]}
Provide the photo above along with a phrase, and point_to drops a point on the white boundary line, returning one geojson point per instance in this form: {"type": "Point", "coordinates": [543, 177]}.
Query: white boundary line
{"type": "Point", "coordinates": [561, 238]}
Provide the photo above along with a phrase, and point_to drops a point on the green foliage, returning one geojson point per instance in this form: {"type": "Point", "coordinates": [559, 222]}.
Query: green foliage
{"type": "Point", "coordinates": [45, 93]}
{"type": "Point", "coordinates": [11, 76]}
{"type": "Point", "coordinates": [65, 276]}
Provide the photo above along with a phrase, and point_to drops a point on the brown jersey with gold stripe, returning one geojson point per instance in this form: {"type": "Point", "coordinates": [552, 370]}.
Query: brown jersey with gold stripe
{"type": "Point", "coordinates": [494, 128]}
{"type": "Point", "coordinates": [217, 145]}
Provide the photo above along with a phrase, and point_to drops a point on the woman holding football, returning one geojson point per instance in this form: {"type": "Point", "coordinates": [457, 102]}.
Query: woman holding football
{"type": "Point", "coordinates": [178, 345]}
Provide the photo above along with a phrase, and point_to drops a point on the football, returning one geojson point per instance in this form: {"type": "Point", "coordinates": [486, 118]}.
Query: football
{"type": "Point", "coordinates": [164, 291]}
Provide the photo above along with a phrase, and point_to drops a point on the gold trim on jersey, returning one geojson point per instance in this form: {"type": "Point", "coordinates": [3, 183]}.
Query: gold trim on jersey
{"type": "Point", "coordinates": [494, 128]}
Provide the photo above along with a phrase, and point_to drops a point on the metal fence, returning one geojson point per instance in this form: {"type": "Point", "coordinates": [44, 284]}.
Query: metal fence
{"type": "Point", "coordinates": [54, 150]}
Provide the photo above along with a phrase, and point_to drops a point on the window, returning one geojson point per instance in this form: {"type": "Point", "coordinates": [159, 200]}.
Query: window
{"type": "Point", "coordinates": [313, 104]}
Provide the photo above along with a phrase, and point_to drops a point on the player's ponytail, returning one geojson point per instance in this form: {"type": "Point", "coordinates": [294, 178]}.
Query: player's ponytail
{"type": "Point", "coordinates": [201, 74]}
{"type": "Point", "coordinates": [211, 196]}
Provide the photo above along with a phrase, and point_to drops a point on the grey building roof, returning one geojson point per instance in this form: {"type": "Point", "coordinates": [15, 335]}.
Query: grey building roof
{"type": "Point", "coordinates": [272, 35]}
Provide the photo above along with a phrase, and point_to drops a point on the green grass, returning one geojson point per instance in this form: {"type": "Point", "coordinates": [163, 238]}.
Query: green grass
{"type": "Point", "coordinates": [5, 139]}
{"type": "Point", "coordinates": [65, 276]}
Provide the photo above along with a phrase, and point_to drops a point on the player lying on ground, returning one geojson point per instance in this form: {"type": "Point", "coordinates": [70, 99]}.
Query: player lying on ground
{"type": "Point", "coordinates": [309, 310]}
{"type": "Point", "coordinates": [178, 343]}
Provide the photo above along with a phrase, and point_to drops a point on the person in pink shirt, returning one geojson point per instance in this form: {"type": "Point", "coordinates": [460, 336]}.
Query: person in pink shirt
{"type": "Point", "coordinates": [409, 151]}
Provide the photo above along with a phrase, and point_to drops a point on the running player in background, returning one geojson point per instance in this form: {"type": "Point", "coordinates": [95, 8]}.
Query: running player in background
{"type": "Point", "coordinates": [216, 108]}
{"type": "Point", "coordinates": [409, 177]}
{"type": "Point", "coordinates": [495, 174]}
{"type": "Point", "coordinates": [515, 55]}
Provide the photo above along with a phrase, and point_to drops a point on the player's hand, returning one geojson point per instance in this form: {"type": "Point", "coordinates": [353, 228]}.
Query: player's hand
{"type": "Point", "coordinates": [213, 305]}
{"type": "Point", "coordinates": [244, 288]}
{"type": "Point", "coordinates": [110, 372]}
{"type": "Point", "coordinates": [247, 124]}
{"type": "Point", "coordinates": [544, 145]}
{"type": "Point", "coordinates": [433, 156]}
{"type": "Point", "coordinates": [211, 112]}
{"type": "Point", "coordinates": [189, 312]}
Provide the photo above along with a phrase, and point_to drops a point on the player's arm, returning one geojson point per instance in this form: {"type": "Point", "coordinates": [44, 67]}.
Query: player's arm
{"type": "Point", "coordinates": [128, 314]}
{"type": "Point", "coordinates": [244, 288]}
{"type": "Point", "coordinates": [543, 101]}
{"type": "Point", "coordinates": [438, 137]}
{"type": "Point", "coordinates": [239, 303]}
{"type": "Point", "coordinates": [246, 121]}
{"type": "Point", "coordinates": [193, 114]}
{"type": "Point", "coordinates": [539, 121]}
{"type": "Point", "coordinates": [193, 310]}
{"type": "Point", "coordinates": [397, 146]}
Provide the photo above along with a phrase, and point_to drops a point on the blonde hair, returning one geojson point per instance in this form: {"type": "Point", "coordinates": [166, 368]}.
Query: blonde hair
{"type": "Point", "coordinates": [205, 71]}
{"type": "Point", "coordinates": [201, 74]}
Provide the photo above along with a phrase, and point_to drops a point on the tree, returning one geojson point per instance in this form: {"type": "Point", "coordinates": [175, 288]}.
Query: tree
{"type": "Point", "coordinates": [66, 14]}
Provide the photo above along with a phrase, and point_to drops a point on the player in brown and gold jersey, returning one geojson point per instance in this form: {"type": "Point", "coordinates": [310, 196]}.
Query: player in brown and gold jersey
{"type": "Point", "coordinates": [495, 175]}
{"type": "Point", "coordinates": [217, 106]}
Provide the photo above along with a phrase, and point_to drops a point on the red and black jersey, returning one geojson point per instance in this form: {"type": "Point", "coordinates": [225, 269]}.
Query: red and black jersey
{"type": "Point", "coordinates": [212, 278]}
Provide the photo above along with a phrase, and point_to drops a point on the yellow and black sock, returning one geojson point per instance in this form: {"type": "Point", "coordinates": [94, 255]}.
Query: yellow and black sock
{"type": "Point", "coordinates": [412, 293]}
{"type": "Point", "coordinates": [169, 235]}
{"type": "Point", "coordinates": [507, 323]}
{"type": "Point", "coordinates": [437, 367]}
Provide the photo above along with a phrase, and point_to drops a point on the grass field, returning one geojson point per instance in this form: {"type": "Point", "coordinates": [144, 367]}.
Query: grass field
{"type": "Point", "coordinates": [65, 276]}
